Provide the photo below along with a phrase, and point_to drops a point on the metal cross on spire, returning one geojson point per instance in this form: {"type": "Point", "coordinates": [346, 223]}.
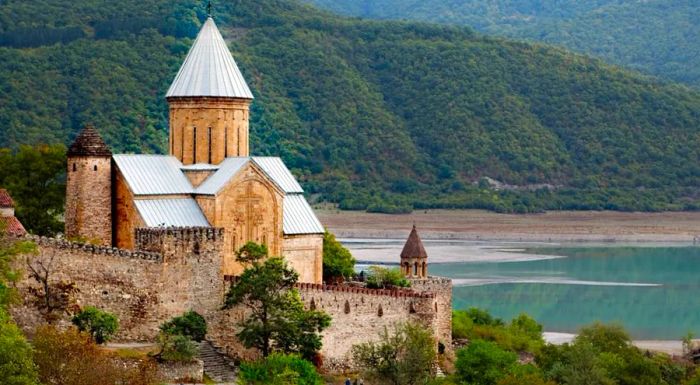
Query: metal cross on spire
{"type": "Point", "coordinates": [209, 8]}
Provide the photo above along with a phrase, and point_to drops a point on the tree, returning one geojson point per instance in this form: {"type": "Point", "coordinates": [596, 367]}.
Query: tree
{"type": "Point", "coordinates": [277, 320]}
{"type": "Point", "coordinates": [16, 365]}
{"type": "Point", "coordinates": [404, 357]}
{"type": "Point", "coordinates": [53, 299]}
{"type": "Point", "coordinates": [35, 176]}
{"type": "Point", "coordinates": [176, 347]}
{"type": "Point", "coordinates": [100, 324]}
{"type": "Point", "coordinates": [484, 363]}
{"type": "Point", "coordinates": [338, 263]}
{"type": "Point", "coordinates": [382, 278]}
{"type": "Point", "coordinates": [10, 248]}
{"type": "Point", "coordinates": [279, 369]}
{"type": "Point", "coordinates": [190, 324]}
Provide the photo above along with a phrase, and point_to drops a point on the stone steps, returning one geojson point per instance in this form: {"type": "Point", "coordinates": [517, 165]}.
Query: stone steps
{"type": "Point", "coordinates": [217, 365]}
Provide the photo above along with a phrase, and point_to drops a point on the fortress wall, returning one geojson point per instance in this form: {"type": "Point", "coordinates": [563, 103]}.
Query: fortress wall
{"type": "Point", "coordinates": [180, 270]}
{"type": "Point", "coordinates": [356, 318]}
{"type": "Point", "coordinates": [442, 289]}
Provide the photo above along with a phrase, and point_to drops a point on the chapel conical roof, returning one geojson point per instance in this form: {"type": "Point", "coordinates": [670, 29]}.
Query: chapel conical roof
{"type": "Point", "coordinates": [414, 246]}
{"type": "Point", "coordinates": [89, 143]}
{"type": "Point", "coordinates": [209, 69]}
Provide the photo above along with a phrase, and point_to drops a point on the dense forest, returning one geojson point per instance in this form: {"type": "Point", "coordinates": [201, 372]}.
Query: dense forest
{"type": "Point", "coordinates": [378, 115]}
{"type": "Point", "coordinates": [659, 37]}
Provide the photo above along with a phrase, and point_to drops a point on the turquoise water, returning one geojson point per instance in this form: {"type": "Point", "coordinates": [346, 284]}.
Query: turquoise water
{"type": "Point", "coordinates": [653, 291]}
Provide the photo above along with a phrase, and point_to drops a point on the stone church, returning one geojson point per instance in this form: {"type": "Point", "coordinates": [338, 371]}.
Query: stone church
{"type": "Point", "coordinates": [208, 179]}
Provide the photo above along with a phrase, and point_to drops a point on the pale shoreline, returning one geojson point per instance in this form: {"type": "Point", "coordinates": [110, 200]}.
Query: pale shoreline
{"type": "Point", "coordinates": [671, 347]}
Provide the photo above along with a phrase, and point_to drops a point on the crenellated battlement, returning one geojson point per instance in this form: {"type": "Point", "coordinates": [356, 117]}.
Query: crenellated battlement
{"type": "Point", "coordinates": [86, 248]}
{"type": "Point", "coordinates": [162, 239]}
{"type": "Point", "coordinates": [396, 293]}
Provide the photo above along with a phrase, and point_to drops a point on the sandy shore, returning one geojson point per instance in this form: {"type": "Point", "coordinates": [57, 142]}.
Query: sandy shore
{"type": "Point", "coordinates": [662, 346]}
{"type": "Point", "coordinates": [555, 226]}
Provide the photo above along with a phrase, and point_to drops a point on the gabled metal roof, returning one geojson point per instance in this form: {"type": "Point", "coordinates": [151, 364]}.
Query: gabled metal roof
{"type": "Point", "coordinates": [209, 69]}
{"type": "Point", "coordinates": [298, 217]}
{"type": "Point", "coordinates": [279, 173]}
{"type": "Point", "coordinates": [153, 174]}
{"type": "Point", "coordinates": [227, 169]}
{"type": "Point", "coordinates": [171, 213]}
{"type": "Point", "coordinates": [274, 168]}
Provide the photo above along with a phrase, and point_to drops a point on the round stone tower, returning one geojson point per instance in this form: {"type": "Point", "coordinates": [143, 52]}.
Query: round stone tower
{"type": "Point", "coordinates": [209, 103]}
{"type": "Point", "coordinates": [89, 189]}
{"type": "Point", "coordinates": [414, 259]}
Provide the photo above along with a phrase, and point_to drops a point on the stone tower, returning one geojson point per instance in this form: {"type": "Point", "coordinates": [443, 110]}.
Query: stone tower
{"type": "Point", "coordinates": [414, 259]}
{"type": "Point", "coordinates": [89, 189]}
{"type": "Point", "coordinates": [209, 103]}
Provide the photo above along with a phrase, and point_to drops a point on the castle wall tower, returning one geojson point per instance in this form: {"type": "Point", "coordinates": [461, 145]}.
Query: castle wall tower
{"type": "Point", "coordinates": [414, 258]}
{"type": "Point", "coordinates": [89, 189]}
{"type": "Point", "coordinates": [209, 103]}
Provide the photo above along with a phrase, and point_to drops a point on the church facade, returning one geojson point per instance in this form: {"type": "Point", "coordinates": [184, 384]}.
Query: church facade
{"type": "Point", "coordinates": [208, 179]}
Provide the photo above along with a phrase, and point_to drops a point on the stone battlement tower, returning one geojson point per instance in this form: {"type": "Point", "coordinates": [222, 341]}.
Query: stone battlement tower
{"type": "Point", "coordinates": [209, 103]}
{"type": "Point", "coordinates": [89, 189]}
{"type": "Point", "coordinates": [414, 258]}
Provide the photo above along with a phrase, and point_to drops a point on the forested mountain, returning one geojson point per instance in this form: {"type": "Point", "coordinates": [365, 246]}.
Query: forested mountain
{"type": "Point", "coordinates": [374, 115]}
{"type": "Point", "coordinates": [660, 37]}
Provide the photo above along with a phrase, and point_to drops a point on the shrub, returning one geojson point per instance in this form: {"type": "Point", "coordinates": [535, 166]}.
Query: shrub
{"type": "Point", "coordinates": [279, 369]}
{"type": "Point", "coordinates": [190, 324]}
{"type": "Point", "coordinates": [100, 324]}
{"type": "Point", "coordinates": [16, 366]}
{"type": "Point", "coordinates": [483, 363]}
{"type": "Point", "coordinates": [338, 263]}
{"type": "Point", "coordinates": [382, 278]}
{"type": "Point", "coordinates": [404, 357]}
{"type": "Point", "coordinates": [176, 347]}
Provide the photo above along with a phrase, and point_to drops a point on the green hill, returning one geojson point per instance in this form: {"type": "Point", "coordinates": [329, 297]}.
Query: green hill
{"type": "Point", "coordinates": [374, 115]}
{"type": "Point", "coordinates": [659, 37]}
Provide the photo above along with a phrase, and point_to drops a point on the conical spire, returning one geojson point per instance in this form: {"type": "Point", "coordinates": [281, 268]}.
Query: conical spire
{"type": "Point", "coordinates": [414, 246]}
{"type": "Point", "coordinates": [89, 143]}
{"type": "Point", "coordinates": [209, 69]}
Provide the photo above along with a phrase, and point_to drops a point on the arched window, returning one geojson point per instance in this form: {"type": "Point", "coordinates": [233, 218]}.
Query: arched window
{"type": "Point", "coordinates": [194, 145]}
{"type": "Point", "coordinates": [75, 168]}
{"type": "Point", "coordinates": [209, 145]}
{"type": "Point", "coordinates": [415, 269]}
{"type": "Point", "coordinates": [94, 168]}
{"type": "Point", "coordinates": [406, 268]}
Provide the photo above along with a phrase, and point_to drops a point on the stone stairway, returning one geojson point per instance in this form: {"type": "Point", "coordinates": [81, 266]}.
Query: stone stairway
{"type": "Point", "coordinates": [217, 365]}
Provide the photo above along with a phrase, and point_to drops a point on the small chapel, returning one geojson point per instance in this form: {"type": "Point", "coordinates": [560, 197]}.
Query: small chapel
{"type": "Point", "coordinates": [208, 179]}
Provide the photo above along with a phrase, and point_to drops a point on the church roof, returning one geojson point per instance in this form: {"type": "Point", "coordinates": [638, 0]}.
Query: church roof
{"type": "Point", "coordinates": [183, 212]}
{"type": "Point", "coordinates": [274, 168]}
{"type": "Point", "coordinates": [209, 69]}
{"type": "Point", "coordinates": [5, 199]}
{"type": "Point", "coordinates": [12, 226]}
{"type": "Point", "coordinates": [89, 143]}
{"type": "Point", "coordinates": [414, 246]}
{"type": "Point", "coordinates": [153, 174]}
{"type": "Point", "coordinates": [298, 216]}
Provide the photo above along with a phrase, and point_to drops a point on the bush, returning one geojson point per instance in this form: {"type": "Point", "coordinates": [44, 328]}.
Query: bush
{"type": "Point", "coordinates": [16, 366]}
{"type": "Point", "coordinates": [382, 278]}
{"type": "Point", "coordinates": [190, 324]}
{"type": "Point", "coordinates": [484, 363]}
{"type": "Point", "coordinates": [404, 357]}
{"type": "Point", "coordinates": [176, 347]}
{"type": "Point", "coordinates": [100, 324]}
{"type": "Point", "coordinates": [338, 263]}
{"type": "Point", "coordinates": [279, 369]}
{"type": "Point", "coordinates": [521, 334]}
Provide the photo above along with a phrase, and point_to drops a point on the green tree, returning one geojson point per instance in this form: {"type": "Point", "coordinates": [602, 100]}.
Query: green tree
{"type": "Point", "coordinates": [382, 278]}
{"type": "Point", "coordinates": [338, 263]}
{"type": "Point", "coordinates": [190, 324]}
{"type": "Point", "coordinates": [279, 369]}
{"type": "Point", "coordinates": [101, 325]}
{"type": "Point", "coordinates": [176, 347]}
{"type": "Point", "coordinates": [404, 357]}
{"type": "Point", "coordinates": [35, 176]}
{"type": "Point", "coordinates": [484, 363]}
{"type": "Point", "coordinates": [277, 320]}
{"type": "Point", "coordinates": [16, 365]}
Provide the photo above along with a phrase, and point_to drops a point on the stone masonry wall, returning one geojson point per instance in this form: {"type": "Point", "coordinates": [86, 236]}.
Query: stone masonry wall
{"type": "Point", "coordinates": [358, 315]}
{"type": "Point", "coordinates": [442, 289]}
{"type": "Point", "coordinates": [89, 199]}
{"type": "Point", "coordinates": [143, 288]}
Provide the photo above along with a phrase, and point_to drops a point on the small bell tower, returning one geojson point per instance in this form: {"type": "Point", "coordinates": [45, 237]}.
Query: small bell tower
{"type": "Point", "coordinates": [414, 258]}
